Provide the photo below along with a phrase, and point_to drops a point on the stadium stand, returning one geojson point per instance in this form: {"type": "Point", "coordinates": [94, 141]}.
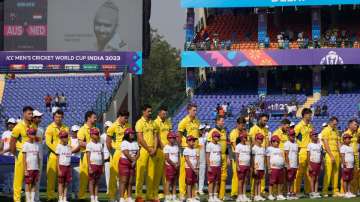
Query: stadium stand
{"type": "Point", "coordinates": [341, 105]}
{"type": "Point", "coordinates": [81, 91]}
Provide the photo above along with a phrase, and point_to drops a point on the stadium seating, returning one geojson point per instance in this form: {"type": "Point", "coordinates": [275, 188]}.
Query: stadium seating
{"type": "Point", "coordinates": [81, 92]}
{"type": "Point", "coordinates": [344, 106]}
{"type": "Point", "coordinates": [207, 104]}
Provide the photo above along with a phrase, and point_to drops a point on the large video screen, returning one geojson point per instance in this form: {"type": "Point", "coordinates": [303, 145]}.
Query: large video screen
{"type": "Point", "coordinates": [260, 3]}
{"type": "Point", "coordinates": [73, 25]}
{"type": "Point", "coordinates": [25, 25]}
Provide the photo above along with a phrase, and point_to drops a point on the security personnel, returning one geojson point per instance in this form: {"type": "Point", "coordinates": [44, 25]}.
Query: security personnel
{"type": "Point", "coordinates": [303, 131]}
{"type": "Point", "coordinates": [52, 140]}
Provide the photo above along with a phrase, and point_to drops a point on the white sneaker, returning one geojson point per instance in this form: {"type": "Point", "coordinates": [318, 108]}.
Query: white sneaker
{"type": "Point", "coordinates": [246, 199]}
{"type": "Point", "coordinates": [216, 199]}
{"type": "Point", "coordinates": [122, 200]}
{"type": "Point", "coordinates": [168, 200]}
{"type": "Point", "coordinates": [256, 198]}
{"type": "Point", "coordinates": [195, 200]}
{"type": "Point", "coordinates": [261, 198]}
{"type": "Point", "coordinates": [271, 197]}
{"type": "Point", "coordinates": [280, 197]}
{"type": "Point", "coordinates": [325, 195]}
{"type": "Point", "coordinates": [189, 200]}
{"type": "Point", "coordinates": [317, 195]}
{"type": "Point", "coordinates": [346, 195]}
{"type": "Point", "coordinates": [240, 198]}
{"type": "Point", "coordinates": [312, 195]}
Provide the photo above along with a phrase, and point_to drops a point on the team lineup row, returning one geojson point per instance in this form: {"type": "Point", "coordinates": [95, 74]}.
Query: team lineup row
{"type": "Point", "coordinates": [154, 155]}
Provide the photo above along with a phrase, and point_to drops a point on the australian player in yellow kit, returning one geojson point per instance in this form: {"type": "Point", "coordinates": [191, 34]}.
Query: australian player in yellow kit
{"type": "Point", "coordinates": [163, 126]}
{"type": "Point", "coordinates": [302, 132]}
{"type": "Point", "coordinates": [147, 162]}
{"type": "Point", "coordinates": [282, 132]}
{"type": "Point", "coordinates": [52, 140]}
{"type": "Point", "coordinates": [234, 134]}
{"type": "Point", "coordinates": [220, 128]}
{"type": "Point", "coordinates": [18, 138]}
{"type": "Point", "coordinates": [187, 126]}
{"type": "Point", "coordinates": [331, 143]}
{"type": "Point", "coordinates": [84, 138]}
{"type": "Point", "coordinates": [114, 139]}
{"type": "Point", "coordinates": [352, 129]}
{"type": "Point", "coordinates": [260, 127]}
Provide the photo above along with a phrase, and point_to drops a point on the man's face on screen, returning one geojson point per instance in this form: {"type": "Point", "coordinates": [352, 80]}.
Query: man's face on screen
{"type": "Point", "coordinates": [105, 24]}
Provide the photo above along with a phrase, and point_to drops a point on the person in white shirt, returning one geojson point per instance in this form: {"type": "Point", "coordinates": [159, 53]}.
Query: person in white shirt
{"type": "Point", "coordinates": [202, 167]}
{"type": "Point", "coordinates": [291, 150]}
{"type": "Point", "coordinates": [36, 120]}
{"type": "Point", "coordinates": [314, 153]}
{"type": "Point", "coordinates": [258, 165]}
{"type": "Point", "coordinates": [63, 152]}
{"type": "Point", "coordinates": [95, 157]}
{"type": "Point", "coordinates": [130, 154]}
{"type": "Point", "coordinates": [107, 124]}
{"type": "Point", "coordinates": [243, 158]}
{"type": "Point", "coordinates": [172, 166]}
{"type": "Point", "coordinates": [31, 152]}
{"type": "Point", "coordinates": [191, 167]}
{"type": "Point", "coordinates": [5, 150]}
{"type": "Point", "coordinates": [75, 156]}
{"type": "Point", "coordinates": [276, 163]}
{"type": "Point", "coordinates": [347, 161]}
{"type": "Point", "coordinates": [213, 161]}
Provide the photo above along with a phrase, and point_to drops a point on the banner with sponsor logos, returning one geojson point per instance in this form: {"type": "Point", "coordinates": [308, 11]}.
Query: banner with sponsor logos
{"type": "Point", "coordinates": [260, 3]}
{"type": "Point", "coordinates": [25, 25]}
{"type": "Point", "coordinates": [288, 57]}
{"type": "Point", "coordinates": [71, 61]}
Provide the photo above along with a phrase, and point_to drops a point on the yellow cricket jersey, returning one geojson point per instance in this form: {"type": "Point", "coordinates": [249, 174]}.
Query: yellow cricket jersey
{"type": "Point", "coordinates": [147, 129]}
{"type": "Point", "coordinates": [19, 132]}
{"type": "Point", "coordinates": [84, 134]}
{"type": "Point", "coordinates": [264, 131]}
{"type": "Point", "coordinates": [354, 140]}
{"type": "Point", "coordinates": [189, 127]}
{"type": "Point", "coordinates": [332, 137]}
{"type": "Point", "coordinates": [163, 128]}
{"type": "Point", "coordinates": [303, 133]}
{"type": "Point", "coordinates": [234, 134]}
{"type": "Point", "coordinates": [52, 138]}
{"type": "Point", "coordinates": [283, 137]}
{"type": "Point", "coordinates": [222, 140]}
{"type": "Point", "coordinates": [117, 130]}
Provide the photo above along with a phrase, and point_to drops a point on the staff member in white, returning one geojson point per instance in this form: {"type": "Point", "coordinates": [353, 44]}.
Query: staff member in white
{"type": "Point", "coordinates": [37, 118]}
{"type": "Point", "coordinates": [5, 150]}
{"type": "Point", "coordinates": [202, 167]}
{"type": "Point", "coordinates": [75, 146]}
{"type": "Point", "coordinates": [106, 154]}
